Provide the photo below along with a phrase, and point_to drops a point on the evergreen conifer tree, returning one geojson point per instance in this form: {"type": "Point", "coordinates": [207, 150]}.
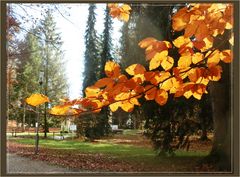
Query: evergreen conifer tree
{"type": "Point", "coordinates": [91, 53]}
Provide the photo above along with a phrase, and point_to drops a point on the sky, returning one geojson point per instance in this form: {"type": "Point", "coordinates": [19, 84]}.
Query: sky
{"type": "Point", "coordinates": [72, 29]}
{"type": "Point", "coordinates": [73, 37]}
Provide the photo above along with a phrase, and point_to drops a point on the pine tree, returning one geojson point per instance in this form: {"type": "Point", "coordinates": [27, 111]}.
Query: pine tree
{"type": "Point", "coordinates": [97, 52]}
{"type": "Point", "coordinates": [54, 83]}
{"type": "Point", "coordinates": [91, 53]}
{"type": "Point", "coordinates": [106, 42]}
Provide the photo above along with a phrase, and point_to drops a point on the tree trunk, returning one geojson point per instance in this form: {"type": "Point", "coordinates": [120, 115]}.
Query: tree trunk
{"type": "Point", "coordinates": [204, 135]}
{"type": "Point", "coordinates": [24, 115]}
{"type": "Point", "coordinates": [221, 101]}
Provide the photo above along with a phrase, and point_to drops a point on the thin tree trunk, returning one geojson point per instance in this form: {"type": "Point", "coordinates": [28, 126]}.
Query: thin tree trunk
{"type": "Point", "coordinates": [24, 115]}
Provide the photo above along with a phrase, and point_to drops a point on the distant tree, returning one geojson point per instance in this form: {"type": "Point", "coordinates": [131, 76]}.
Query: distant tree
{"type": "Point", "coordinates": [97, 52]}
{"type": "Point", "coordinates": [40, 51]}
{"type": "Point", "coordinates": [28, 69]}
{"type": "Point", "coordinates": [91, 52]}
{"type": "Point", "coordinates": [106, 42]}
{"type": "Point", "coordinates": [54, 83]}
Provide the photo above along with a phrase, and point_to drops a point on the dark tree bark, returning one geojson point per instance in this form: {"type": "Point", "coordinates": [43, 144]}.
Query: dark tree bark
{"type": "Point", "coordinates": [221, 101]}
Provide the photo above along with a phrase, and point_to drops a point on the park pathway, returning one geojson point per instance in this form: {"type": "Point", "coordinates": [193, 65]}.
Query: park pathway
{"type": "Point", "coordinates": [22, 165]}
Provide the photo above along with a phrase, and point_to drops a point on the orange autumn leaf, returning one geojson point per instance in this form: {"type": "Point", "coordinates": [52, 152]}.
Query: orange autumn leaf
{"type": "Point", "coordinates": [147, 42]}
{"type": "Point", "coordinates": [156, 77]}
{"type": "Point", "coordinates": [139, 89]}
{"type": "Point", "coordinates": [150, 92]}
{"type": "Point", "coordinates": [226, 56]}
{"type": "Point", "coordinates": [195, 90]}
{"type": "Point", "coordinates": [112, 69]}
{"type": "Point", "coordinates": [37, 99]}
{"type": "Point", "coordinates": [135, 69]}
{"type": "Point", "coordinates": [208, 43]}
{"type": "Point", "coordinates": [213, 58]}
{"type": "Point", "coordinates": [63, 110]}
{"type": "Point", "coordinates": [197, 75]}
{"type": "Point", "coordinates": [157, 59]}
{"type": "Point", "coordinates": [130, 84]}
{"type": "Point", "coordinates": [197, 28]}
{"type": "Point", "coordinates": [214, 73]}
{"type": "Point", "coordinates": [119, 11]}
{"type": "Point", "coordinates": [154, 47]}
{"type": "Point", "coordinates": [96, 105]}
{"type": "Point", "coordinates": [127, 105]}
{"type": "Point", "coordinates": [103, 82]}
{"type": "Point", "coordinates": [139, 78]}
{"type": "Point", "coordinates": [180, 19]}
{"type": "Point", "coordinates": [161, 97]}
{"type": "Point", "coordinates": [92, 92]}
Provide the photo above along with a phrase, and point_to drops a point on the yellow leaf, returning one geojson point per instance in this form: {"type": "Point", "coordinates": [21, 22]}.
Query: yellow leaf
{"type": "Point", "coordinates": [114, 106]}
{"type": "Point", "coordinates": [208, 43]}
{"type": "Point", "coordinates": [197, 57]}
{"type": "Point", "coordinates": [171, 84]}
{"type": "Point", "coordinates": [63, 110]}
{"type": "Point", "coordinates": [214, 58]}
{"type": "Point", "coordinates": [181, 40]}
{"type": "Point", "coordinates": [157, 59]}
{"type": "Point", "coordinates": [176, 84]}
{"type": "Point", "coordinates": [135, 69]}
{"type": "Point", "coordinates": [92, 92]}
{"type": "Point", "coordinates": [127, 106]}
{"type": "Point", "coordinates": [163, 76]}
{"type": "Point", "coordinates": [167, 85]}
{"type": "Point", "coordinates": [122, 96]}
{"type": "Point", "coordinates": [126, 7]}
{"type": "Point", "coordinates": [188, 94]}
{"type": "Point", "coordinates": [185, 61]}
{"type": "Point", "coordinates": [168, 63]}
{"type": "Point", "coordinates": [134, 101]}
{"type": "Point", "coordinates": [112, 69]}
{"type": "Point", "coordinates": [37, 99]}
{"type": "Point", "coordinates": [124, 16]}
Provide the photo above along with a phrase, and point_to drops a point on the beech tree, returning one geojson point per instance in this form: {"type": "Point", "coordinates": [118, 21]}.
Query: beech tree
{"type": "Point", "coordinates": [204, 50]}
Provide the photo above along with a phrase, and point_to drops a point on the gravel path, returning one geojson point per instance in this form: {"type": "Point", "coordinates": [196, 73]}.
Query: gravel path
{"type": "Point", "coordinates": [17, 164]}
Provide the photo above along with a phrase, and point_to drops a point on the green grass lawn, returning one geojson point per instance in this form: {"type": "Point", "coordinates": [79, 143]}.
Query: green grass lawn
{"type": "Point", "coordinates": [143, 156]}
{"type": "Point", "coordinates": [120, 151]}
